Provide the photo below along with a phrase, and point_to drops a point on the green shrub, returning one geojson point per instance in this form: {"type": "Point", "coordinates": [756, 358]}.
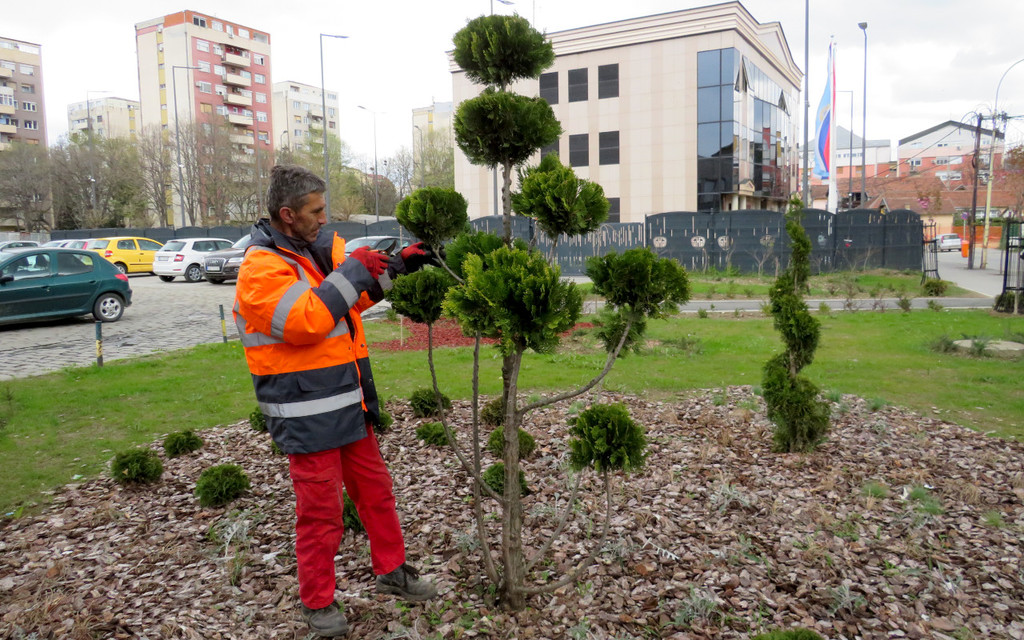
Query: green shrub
{"type": "Point", "coordinates": [432, 433]}
{"type": "Point", "coordinates": [180, 443]}
{"type": "Point", "coordinates": [610, 325]}
{"type": "Point", "coordinates": [257, 421]}
{"type": "Point", "coordinates": [493, 413]}
{"type": "Point", "coordinates": [788, 634]}
{"type": "Point", "coordinates": [496, 443]}
{"type": "Point", "coordinates": [424, 403]}
{"type": "Point", "coordinates": [433, 214]}
{"type": "Point", "coordinates": [494, 477]}
{"type": "Point", "coordinates": [606, 438]}
{"type": "Point", "coordinates": [418, 296]}
{"type": "Point", "coordinates": [138, 466]}
{"type": "Point", "coordinates": [384, 423]}
{"type": "Point", "coordinates": [350, 516]}
{"type": "Point", "coordinates": [935, 288]}
{"type": "Point", "coordinates": [220, 484]}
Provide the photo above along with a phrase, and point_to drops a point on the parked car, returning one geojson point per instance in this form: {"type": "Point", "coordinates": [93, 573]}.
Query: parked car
{"type": "Point", "coordinates": [184, 257]}
{"type": "Point", "coordinates": [947, 242]}
{"type": "Point", "coordinates": [47, 283]}
{"type": "Point", "coordinates": [56, 243]}
{"type": "Point", "coordinates": [222, 265]}
{"type": "Point", "coordinates": [385, 244]}
{"type": "Point", "coordinates": [128, 254]}
{"type": "Point", "coordinates": [16, 244]}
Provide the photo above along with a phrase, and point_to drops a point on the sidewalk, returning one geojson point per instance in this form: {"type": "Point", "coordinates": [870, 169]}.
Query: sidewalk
{"type": "Point", "coordinates": [988, 281]}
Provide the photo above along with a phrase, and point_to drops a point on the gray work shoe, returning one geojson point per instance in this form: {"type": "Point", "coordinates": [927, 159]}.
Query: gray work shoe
{"type": "Point", "coordinates": [328, 622]}
{"type": "Point", "coordinates": [405, 582]}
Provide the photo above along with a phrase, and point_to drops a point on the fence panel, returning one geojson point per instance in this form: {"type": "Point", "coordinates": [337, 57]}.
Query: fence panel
{"type": "Point", "coordinates": [904, 240]}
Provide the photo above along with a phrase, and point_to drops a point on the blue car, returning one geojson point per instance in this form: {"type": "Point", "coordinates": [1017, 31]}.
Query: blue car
{"type": "Point", "coordinates": [49, 283]}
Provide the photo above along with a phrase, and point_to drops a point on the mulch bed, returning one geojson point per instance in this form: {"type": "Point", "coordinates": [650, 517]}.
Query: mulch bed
{"type": "Point", "coordinates": [718, 537]}
{"type": "Point", "coordinates": [446, 334]}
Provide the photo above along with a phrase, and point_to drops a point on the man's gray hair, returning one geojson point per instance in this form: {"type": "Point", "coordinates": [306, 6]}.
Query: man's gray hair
{"type": "Point", "coordinates": [289, 186]}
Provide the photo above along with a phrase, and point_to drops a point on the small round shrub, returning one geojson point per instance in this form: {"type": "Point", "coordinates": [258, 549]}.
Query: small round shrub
{"type": "Point", "coordinates": [493, 413]}
{"type": "Point", "coordinates": [424, 403]}
{"type": "Point", "coordinates": [496, 443]}
{"type": "Point", "coordinates": [494, 477]}
{"type": "Point", "coordinates": [220, 484]}
{"type": "Point", "coordinates": [606, 438]}
{"type": "Point", "coordinates": [935, 288]}
{"type": "Point", "coordinates": [138, 466]}
{"type": "Point", "coordinates": [180, 443]}
{"type": "Point", "coordinates": [257, 420]}
{"type": "Point", "coordinates": [350, 516]}
{"type": "Point", "coordinates": [384, 425]}
{"type": "Point", "coordinates": [432, 433]}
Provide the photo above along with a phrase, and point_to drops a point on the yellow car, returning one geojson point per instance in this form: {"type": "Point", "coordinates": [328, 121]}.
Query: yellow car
{"type": "Point", "coordinates": [128, 254]}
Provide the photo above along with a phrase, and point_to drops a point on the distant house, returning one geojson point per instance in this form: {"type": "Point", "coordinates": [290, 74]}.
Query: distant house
{"type": "Point", "coordinates": [945, 151]}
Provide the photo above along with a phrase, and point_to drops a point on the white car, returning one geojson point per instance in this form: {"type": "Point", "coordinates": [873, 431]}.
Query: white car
{"type": "Point", "coordinates": [184, 257]}
{"type": "Point", "coordinates": [947, 242]}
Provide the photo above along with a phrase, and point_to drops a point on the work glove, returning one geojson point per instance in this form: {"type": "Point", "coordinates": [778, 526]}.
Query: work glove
{"type": "Point", "coordinates": [415, 256]}
{"type": "Point", "coordinates": [374, 261]}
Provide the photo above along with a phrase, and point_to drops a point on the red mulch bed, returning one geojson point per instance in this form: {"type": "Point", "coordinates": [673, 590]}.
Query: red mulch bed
{"type": "Point", "coordinates": [446, 334]}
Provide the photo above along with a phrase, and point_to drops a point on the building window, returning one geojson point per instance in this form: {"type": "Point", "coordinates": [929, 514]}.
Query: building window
{"type": "Point", "coordinates": [202, 45]}
{"type": "Point", "coordinates": [28, 88]}
{"type": "Point", "coordinates": [261, 116]}
{"type": "Point", "coordinates": [330, 112]}
{"type": "Point", "coordinates": [217, 49]}
{"type": "Point", "coordinates": [261, 98]}
{"type": "Point", "coordinates": [613, 210]}
{"type": "Point", "coordinates": [577, 85]}
{"type": "Point", "coordinates": [608, 147]}
{"type": "Point", "coordinates": [204, 66]}
{"type": "Point", "coordinates": [332, 96]}
{"type": "Point", "coordinates": [28, 70]}
{"type": "Point", "coordinates": [549, 87]}
{"type": "Point", "coordinates": [27, 106]}
{"type": "Point", "coordinates": [550, 148]}
{"type": "Point", "coordinates": [243, 33]}
{"type": "Point", "coordinates": [205, 87]}
{"type": "Point", "coordinates": [258, 59]}
{"type": "Point", "coordinates": [298, 133]}
{"type": "Point", "coordinates": [217, 26]}
{"type": "Point", "coordinates": [7, 64]}
{"type": "Point", "coordinates": [260, 78]}
{"type": "Point", "coordinates": [220, 90]}
{"type": "Point", "coordinates": [199, 22]}
{"type": "Point", "coordinates": [205, 107]}
{"type": "Point", "coordinates": [218, 69]}
{"type": "Point", "coordinates": [259, 37]}
{"type": "Point", "coordinates": [579, 150]}
{"type": "Point", "coordinates": [245, 74]}
{"type": "Point", "coordinates": [222, 110]}
{"type": "Point", "coordinates": [608, 81]}
{"type": "Point", "coordinates": [29, 124]}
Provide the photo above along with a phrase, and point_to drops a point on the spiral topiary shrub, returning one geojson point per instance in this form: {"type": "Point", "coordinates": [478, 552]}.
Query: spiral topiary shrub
{"type": "Point", "coordinates": [494, 477]}
{"type": "Point", "coordinates": [180, 443]}
{"type": "Point", "coordinates": [138, 466]}
{"type": "Point", "coordinates": [606, 438]}
{"type": "Point", "coordinates": [257, 421]}
{"type": "Point", "coordinates": [424, 403]}
{"type": "Point", "coordinates": [496, 443]}
{"type": "Point", "coordinates": [350, 515]}
{"type": "Point", "coordinates": [432, 433]}
{"type": "Point", "coordinates": [493, 413]}
{"type": "Point", "coordinates": [221, 484]}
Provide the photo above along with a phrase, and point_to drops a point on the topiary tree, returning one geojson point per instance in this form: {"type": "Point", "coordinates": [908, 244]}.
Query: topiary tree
{"type": "Point", "coordinates": [138, 466]}
{"type": "Point", "coordinates": [801, 419]}
{"type": "Point", "coordinates": [220, 484]}
{"type": "Point", "coordinates": [181, 442]}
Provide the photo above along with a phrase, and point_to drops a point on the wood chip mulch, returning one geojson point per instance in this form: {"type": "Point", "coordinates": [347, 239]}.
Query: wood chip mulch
{"type": "Point", "coordinates": [901, 525]}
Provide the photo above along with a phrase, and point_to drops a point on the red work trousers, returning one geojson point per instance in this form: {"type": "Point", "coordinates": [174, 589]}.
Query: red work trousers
{"type": "Point", "coordinates": [317, 479]}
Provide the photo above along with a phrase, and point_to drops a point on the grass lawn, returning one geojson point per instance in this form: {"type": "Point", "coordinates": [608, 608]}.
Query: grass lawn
{"type": "Point", "coordinates": [60, 427]}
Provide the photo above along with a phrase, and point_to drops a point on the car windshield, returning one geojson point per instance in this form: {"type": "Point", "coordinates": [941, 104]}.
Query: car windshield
{"type": "Point", "coordinates": [352, 245]}
{"type": "Point", "coordinates": [174, 245]}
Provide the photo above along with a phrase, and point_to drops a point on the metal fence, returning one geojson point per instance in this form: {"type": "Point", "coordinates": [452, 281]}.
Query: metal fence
{"type": "Point", "coordinates": [752, 241]}
{"type": "Point", "coordinates": [1012, 298]}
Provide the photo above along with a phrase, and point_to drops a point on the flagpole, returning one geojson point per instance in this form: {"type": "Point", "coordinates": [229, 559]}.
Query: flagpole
{"type": "Point", "coordinates": [833, 187]}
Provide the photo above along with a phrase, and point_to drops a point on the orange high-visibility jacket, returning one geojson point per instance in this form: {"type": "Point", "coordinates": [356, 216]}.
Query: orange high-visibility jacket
{"type": "Point", "coordinates": [304, 342]}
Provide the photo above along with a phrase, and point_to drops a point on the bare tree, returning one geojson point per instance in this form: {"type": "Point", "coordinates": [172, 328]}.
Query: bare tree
{"type": "Point", "coordinates": [25, 186]}
{"type": "Point", "coordinates": [156, 161]}
{"type": "Point", "coordinates": [436, 165]}
{"type": "Point", "coordinates": [97, 183]}
{"type": "Point", "coordinates": [399, 170]}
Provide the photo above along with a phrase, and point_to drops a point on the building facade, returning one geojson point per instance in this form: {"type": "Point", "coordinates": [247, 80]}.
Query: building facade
{"type": "Point", "coordinates": [945, 151]}
{"type": "Point", "coordinates": [105, 117]}
{"type": "Point", "coordinates": [298, 114]}
{"type": "Point", "coordinates": [690, 110]}
{"type": "Point", "coordinates": [438, 116]}
{"type": "Point", "coordinates": [21, 93]}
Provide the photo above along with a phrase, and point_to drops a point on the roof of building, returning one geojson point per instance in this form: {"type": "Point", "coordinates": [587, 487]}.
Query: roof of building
{"type": "Point", "coordinates": [927, 194]}
{"type": "Point", "coordinates": [948, 123]}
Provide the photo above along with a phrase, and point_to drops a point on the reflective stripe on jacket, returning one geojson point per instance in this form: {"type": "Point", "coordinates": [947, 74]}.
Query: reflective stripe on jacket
{"type": "Point", "coordinates": [305, 346]}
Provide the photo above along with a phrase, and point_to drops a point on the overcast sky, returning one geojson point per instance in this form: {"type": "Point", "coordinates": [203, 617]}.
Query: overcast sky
{"type": "Point", "coordinates": [928, 60]}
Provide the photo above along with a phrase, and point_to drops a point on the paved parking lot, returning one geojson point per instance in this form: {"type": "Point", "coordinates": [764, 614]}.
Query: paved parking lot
{"type": "Point", "coordinates": [163, 316]}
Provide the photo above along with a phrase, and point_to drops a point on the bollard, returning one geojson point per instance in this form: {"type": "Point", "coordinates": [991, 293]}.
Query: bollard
{"type": "Point", "coordinates": [99, 343]}
{"type": "Point", "coordinates": [223, 326]}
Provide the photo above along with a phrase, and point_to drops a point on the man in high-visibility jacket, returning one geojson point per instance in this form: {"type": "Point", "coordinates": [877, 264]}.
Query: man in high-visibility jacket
{"type": "Point", "coordinates": [297, 308]}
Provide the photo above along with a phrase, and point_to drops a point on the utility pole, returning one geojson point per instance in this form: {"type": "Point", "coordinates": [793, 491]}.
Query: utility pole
{"type": "Point", "coordinates": [807, 100]}
{"type": "Point", "coordinates": [974, 196]}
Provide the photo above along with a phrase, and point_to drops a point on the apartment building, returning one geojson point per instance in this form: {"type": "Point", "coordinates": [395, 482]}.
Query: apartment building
{"type": "Point", "coordinates": [194, 67]}
{"type": "Point", "coordinates": [945, 150]}
{"type": "Point", "coordinates": [299, 113]}
{"type": "Point", "coordinates": [849, 149]}
{"type": "Point", "coordinates": [691, 110]}
{"type": "Point", "coordinates": [438, 116]}
{"type": "Point", "coordinates": [105, 117]}
{"type": "Point", "coordinates": [21, 93]}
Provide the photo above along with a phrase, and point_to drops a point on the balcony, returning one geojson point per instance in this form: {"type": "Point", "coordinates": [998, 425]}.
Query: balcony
{"type": "Point", "coordinates": [8, 128]}
{"type": "Point", "coordinates": [6, 109]}
{"type": "Point", "coordinates": [236, 60]}
{"type": "Point", "coordinates": [239, 139]}
{"type": "Point", "coordinates": [238, 99]}
{"type": "Point", "coordinates": [237, 80]}
{"type": "Point", "coordinates": [239, 119]}
{"type": "Point", "coordinates": [6, 73]}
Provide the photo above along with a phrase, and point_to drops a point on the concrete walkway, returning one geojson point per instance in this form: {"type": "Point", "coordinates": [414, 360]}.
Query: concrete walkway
{"type": "Point", "coordinates": [988, 282]}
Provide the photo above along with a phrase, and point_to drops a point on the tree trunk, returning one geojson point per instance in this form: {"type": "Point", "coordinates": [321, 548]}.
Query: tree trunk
{"type": "Point", "coordinates": [506, 200]}
{"type": "Point", "coordinates": [512, 522]}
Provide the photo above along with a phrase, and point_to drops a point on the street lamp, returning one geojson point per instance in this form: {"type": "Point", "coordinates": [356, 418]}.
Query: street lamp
{"type": "Point", "coordinates": [376, 194]}
{"type": "Point", "coordinates": [864, 127]}
{"type": "Point", "coordinates": [850, 145]}
{"type": "Point", "coordinates": [422, 168]}
{"type": "Point", "coordinates": [92, 149]}
{"type": "Point", "coordinates": [991, 164]}
{"type": "Point", "coordinates": [323, 124]}
{"type": "Point", "coordinates": [177, 138]}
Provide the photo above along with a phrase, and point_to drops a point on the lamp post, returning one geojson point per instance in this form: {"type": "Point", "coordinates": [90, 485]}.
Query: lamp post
{"type": "Point", "coordinates": [323, 125]}
{"type": "Point", "coordinates": [376, 191]}
{"type": "Point", "coordinates": [850, 146]}
{"type": "Point", "coordinates": [864, 126]}
{"type": "Point", "coordinates": [92, 150]}
{"type": "Point", "coordinates": [177, 137]}
{"type": "Point", "coordinates": [280, 140]}
{"type": "Point", "coordinates": [991, 164]}
{"type": "Point", "coordinates": [422, 168]}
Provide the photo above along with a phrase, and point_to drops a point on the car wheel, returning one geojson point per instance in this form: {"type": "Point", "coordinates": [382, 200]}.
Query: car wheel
{"type": "Point", "coordinates": [108, 307]}
{"type": "Point", "coordinates": [122, 267]}
{"type": "Point", "coordinates": [167, 278]}
{"type": "Point", "coordinates": [215, 280]}
{"type": "Point", "coordinates": [193, 273]}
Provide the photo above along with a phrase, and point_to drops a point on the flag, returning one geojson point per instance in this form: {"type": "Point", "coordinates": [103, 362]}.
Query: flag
{"type": "Point", "coordinates": [823, 121]}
